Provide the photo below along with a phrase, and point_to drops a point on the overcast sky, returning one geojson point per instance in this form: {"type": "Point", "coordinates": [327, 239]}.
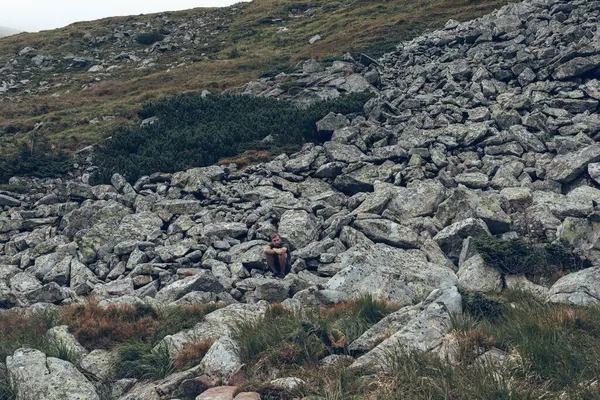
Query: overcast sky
{"type": "Point", "coordinates": [35, 15]}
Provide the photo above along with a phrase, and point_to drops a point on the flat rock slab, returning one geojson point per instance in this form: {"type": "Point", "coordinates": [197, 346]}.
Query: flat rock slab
{"type": "Point", "coordinates": [218, 393]}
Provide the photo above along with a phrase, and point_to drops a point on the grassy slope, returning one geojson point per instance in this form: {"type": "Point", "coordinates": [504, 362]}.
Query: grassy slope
{"type": "Point", "coordinates": [370, 26]}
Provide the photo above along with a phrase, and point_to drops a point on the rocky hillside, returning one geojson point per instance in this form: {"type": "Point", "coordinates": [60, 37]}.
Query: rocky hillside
{"type": "Point", "coordinates": [475, 169]}
{"type": "Point", "coordinates": [74, 85]}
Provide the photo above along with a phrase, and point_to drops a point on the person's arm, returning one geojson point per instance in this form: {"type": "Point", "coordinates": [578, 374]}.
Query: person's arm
{"type": "Point", "coordinates": [271, 251]}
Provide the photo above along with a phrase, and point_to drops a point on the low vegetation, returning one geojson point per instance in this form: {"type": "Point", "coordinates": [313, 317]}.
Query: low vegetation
{"type": "Point", "coordinates": [535, 261]}
{"type": "Point", "coordinates": [98, 327]}
{"type": "Point", "coordinates": [7, 390]}
{"type": "Point", "coordinates": [195, 131]}
{"type": "Point", "coordinates": [550, 351]}
{"type": "Point", "coordinates": [141, 361]}
{"type": "Point", "coordinates": [20, 330]}
{"type": "Point", "coordinates": [543, 351]}
{"type": "Point", "coordinates": [287, 340]}
{"type": "Point", "coordinates": [40, 163]}
{"type": "Point", "coordinates": [191, 354]}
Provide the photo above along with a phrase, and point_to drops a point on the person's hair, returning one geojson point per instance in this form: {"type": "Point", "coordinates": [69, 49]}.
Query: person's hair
{"type": "Point", "coordinates": [273, 236]}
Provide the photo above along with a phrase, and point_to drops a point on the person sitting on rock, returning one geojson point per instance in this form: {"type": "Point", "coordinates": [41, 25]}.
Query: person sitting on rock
{"type": "Point", "coordinates": [278, 257]}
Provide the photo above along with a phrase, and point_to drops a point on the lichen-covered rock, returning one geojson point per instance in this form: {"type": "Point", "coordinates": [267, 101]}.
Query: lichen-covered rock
{"type": "Point", "coordinates": [204, 281]}
{"type": "Point", "coordinates": [581, 288]}
{"type": "Point", "coordinates": [400, 276]}
{"type": "Point", "coordinates": [423, 331]}
{"type": "Point", "coordinates": [38, 377]}
{"type": "Point", "coordinates": [388, 232]}
{"type": "Point", "coordinates": [565, 168]}
{"type": "Point", "coordinates": [298, 228]}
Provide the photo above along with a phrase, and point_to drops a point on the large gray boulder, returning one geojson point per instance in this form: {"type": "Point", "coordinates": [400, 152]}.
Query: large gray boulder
{"type": "Point", "coordinates": [417, 199]}
{"type": "Point", "coordinates": [465, 203]}
{"type": "Point", "coordinates": [389, 232]}
{"type": "Point", "coordinates": [298, 228]}
{"type": "Point", "coordinates": [198, 180]}
{"type": "Point", "coordinates": [177, 207]}
{"type": "Point", "coordinates": [203, 281]}
{"type": "Point", "coordinates": [580, 288]}
{"type": "Point", "coordinates": [219, 323]}
{"type": "Point", "coordinates": [221, 230]}
{"type": "Point", "coordinates": [99, 363]}
{"type": "Point", "coordinates": [362, 179]}
{"type": "Point", "coordinates": [36, 376]}
{"type": "Point", "coordinates": [567, 167]}
{"type": "Point", "coordinates": [250, 254]}
{"type": "Point", "coordinates": [400, 276]}
{"type": "Point", "coordinates": [422, 332]}
{"type": "Point", "coordinates": [222, 359]}
{"type": "Point", "coordinates": [61, 337]}
{"type": "Point", "coordinates": [475, 276]}
{"type": "Point", "coordinates": [450, 239]}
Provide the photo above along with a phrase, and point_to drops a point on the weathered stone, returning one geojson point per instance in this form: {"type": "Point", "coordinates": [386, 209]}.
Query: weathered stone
{"type": "Point", "coordinates": [580, 288]}
{"type": "Point", "coordinates": [298, 228]}
{"type": "Point", "coordinates": [565, 168]}
{"type": "Point", "coordinates": [475, 276]}
{"type": "Point", "coordinates": [464, 203]}
{"type": "Point", "coordinates": [38, 377]}
{"type": "Point", "coordinates": [450, 239]}
{"type": "Point", "coordinates": [389, 232]}
{"type": "Point", "coordinates": [204, 281]}
{"type": "Point", "coordinates": [400, 276]}
{"type": "Point", "coordinates": [99, 363]}
{"type": "Point", "coordinates": [177, 207]}
{"type": "Point", "coordinates": [418, 199]}
{"type": "Point", "coordinates": [423, 332]}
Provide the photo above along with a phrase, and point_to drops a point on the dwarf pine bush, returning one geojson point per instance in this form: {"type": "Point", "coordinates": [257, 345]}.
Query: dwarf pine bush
{"type": "Point", "coordinates": [195, 131]}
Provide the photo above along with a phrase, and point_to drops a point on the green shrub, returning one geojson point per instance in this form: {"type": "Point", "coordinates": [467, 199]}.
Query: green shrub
{"type": "Point", "coordinates": [481, 307]}
{"type": "Point", "coordinates": [192, 131]}
{"type": "Point", "coordinates": [517, 256]}
{"type": "Point", "coordinates": [39, 164]}
{"type": "Point", "coordinates": [149, 38]}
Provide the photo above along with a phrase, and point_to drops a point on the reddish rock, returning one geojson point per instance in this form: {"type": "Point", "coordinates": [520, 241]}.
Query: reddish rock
{"type": "Point", "coordinates": [218, 393]}
{"type": "Point", "coordinates": [247, 396]}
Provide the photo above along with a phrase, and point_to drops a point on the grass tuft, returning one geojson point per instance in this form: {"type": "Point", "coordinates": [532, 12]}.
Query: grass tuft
{"type": "Point", "coordinates": [18, 330]}
{"type": "Point", "coordinates": [7, 390]}
{"type": "Point", "coordinates": [286, 338]}
{"type": "Point", "coordinates": [139, 360]}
